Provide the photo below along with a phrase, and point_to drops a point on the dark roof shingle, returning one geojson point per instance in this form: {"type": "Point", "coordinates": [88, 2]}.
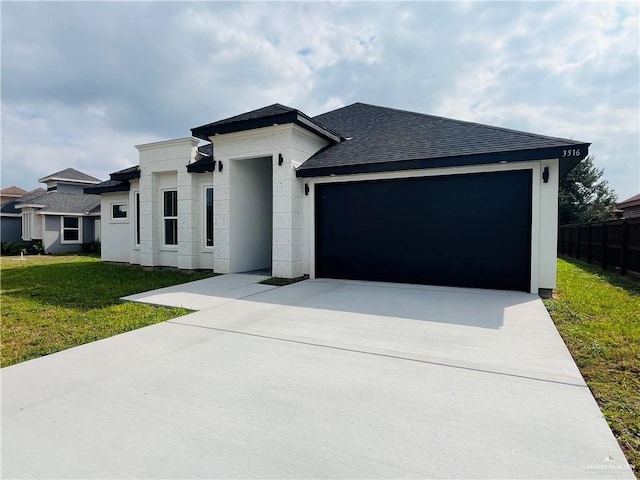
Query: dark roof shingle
{"type": "Point", "coordinates": [386, 139]}
{"type": "Point", "coordinates": [275, 114]}
{"type": "Point", "coordinates": [56, 202]}
{"type": "Point", "coordinates": [70, 174]}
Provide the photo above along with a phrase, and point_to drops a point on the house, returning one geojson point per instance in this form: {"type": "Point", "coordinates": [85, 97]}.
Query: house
{"type": "Point", "coordinates": [10, 194]}
{"type": "Point", "coordinates": [10, 216]}
{"type": "Point", "coordinates": [63, 217]}
{"type": "Point", "coordinates": [630, 207]}
{"type": "Point", "coordinates": [361, 192]}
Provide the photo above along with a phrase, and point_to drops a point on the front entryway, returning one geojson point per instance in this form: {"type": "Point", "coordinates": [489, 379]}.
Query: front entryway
{"type": "Point", "coordinates": [251, 214]}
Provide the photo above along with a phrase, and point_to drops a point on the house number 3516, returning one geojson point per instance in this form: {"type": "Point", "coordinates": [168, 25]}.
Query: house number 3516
{"type": "Point", "coordinates": [574, 152]}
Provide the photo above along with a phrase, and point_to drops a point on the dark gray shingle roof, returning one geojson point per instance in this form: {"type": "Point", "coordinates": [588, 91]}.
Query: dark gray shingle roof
{"type": "Point", "coordinates": [32, 196]}
{"type": "Point", "coordinates": [206, 149]}
{"type": "Point", "coordinates": [10, 208]}
{"type": "Point", "coordinates": [275, 114]}
{"type": "Point", "coordinates": [119, 181]}
{"type": "Point", "coordinates": [386, 139]}
{"type": "Point", "coordinates": [70, 174]}
{"type": "Point", "coordinates": [68, 202]}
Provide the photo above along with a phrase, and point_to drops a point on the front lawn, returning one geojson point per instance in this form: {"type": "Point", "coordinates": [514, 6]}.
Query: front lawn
{"type": "Point", "coordinates": [598, 315]}
{"type": "Point", "coordinates": [50, 303]}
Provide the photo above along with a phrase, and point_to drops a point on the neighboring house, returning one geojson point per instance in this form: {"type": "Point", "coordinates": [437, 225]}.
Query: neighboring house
{"type": "Point", "coordinates": [10, 194]}
{"type": "Point", "coordinates": [362, 192]}
{"type": "Point", "coordinates": [630, 207]}
{"type": "Point", "coordinates": [11, 218]}
{"type": "Point", "coordinates": [63, 217]}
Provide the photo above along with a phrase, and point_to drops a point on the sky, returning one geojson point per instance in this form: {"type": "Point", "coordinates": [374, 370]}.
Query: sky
{"type": "Point", "coordinates": [82, 83]}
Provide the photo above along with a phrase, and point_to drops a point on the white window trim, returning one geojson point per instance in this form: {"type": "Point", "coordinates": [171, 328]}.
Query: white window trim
{"type": "Point", "coordinates": [205, 247]}
{"type": "Point", "coordinates": [62, 229]}
{"type": "Point", "coordinates": [121, 219]}
{"type": "Point", "coordinates": [166, 246]}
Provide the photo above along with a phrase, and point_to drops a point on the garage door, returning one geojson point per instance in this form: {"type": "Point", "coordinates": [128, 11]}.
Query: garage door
{"type": "Point", "coordinates": [458, 230]}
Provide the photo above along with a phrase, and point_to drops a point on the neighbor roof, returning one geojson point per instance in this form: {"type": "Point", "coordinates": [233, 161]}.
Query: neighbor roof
{"type": "Point", "coordinates": [9, 208]}
{"type": "Point", "coordinates": [70, 174]}
{"type": "Point", "coordinates": [31, 196]}
{"type": "Point", "coordinates": [275, 114]}
{"type": "Point", "coordinates": [12, 191]}
{"type": "Point", "coordinates": [385, 139]}
{"type": "Point", "coordinates": [56, 202]}
{"type": "Point", "coordinates": [629, 202]}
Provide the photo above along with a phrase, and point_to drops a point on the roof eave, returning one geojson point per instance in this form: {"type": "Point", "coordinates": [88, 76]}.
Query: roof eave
{"type": "Point", "coordinates": [97, 190]}
{"type": "Point", "coordinates": [566, 164]}
{"type": "Point", "coordinates": [201, 167]}
{"type": "Point", "coordinates": [205, 132]}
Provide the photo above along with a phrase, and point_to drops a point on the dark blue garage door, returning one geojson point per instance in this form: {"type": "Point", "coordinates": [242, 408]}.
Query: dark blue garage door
{"type": "Point", "coordinates": [457, 230]}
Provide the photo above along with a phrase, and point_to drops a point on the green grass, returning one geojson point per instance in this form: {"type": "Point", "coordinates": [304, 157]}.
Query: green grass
{"type": "Point", "coordinates": [51, 303]}
{"type": "Point", "coordinates": [598, 315]}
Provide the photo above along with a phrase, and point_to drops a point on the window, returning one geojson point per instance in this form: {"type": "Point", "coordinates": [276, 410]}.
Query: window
{"type": "Point", "coordinates": [71, 230]}
{"type": "Point", "coordinates": [170, 216]}
{"type": "Point", "coordinates": [26, 226]}
{"type": "Point", "coordinates": [208, 216]}
{"type": "Point", "coordinates": [137, 214]}
{"type": "Point", "coordinates": [118, 211]}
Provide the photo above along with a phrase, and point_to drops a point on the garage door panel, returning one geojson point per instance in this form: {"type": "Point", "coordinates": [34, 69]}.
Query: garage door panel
{"type": "Point", "coordinates": [460, 230]}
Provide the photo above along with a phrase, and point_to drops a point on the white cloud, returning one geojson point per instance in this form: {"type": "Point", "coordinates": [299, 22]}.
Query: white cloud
{"type": "Point", "coordinates": [84, 82]}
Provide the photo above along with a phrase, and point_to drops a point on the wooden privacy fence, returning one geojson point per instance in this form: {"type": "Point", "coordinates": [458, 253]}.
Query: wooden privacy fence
{"type": "Point", "coordinates": [614, 244]}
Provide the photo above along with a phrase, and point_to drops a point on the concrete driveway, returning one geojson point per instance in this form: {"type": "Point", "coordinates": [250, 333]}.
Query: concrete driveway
{"type": "Point", "coordinates": [320, 379]}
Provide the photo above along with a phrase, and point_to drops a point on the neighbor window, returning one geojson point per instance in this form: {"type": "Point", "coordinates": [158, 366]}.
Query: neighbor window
{"type": "Point", "coordinates": [208, 216]}
{"type": "Point", "coordinates": [137, 217]}
{"type": "Point", "coordinates": [118, 211]}
{"type": "Point", "coordinates": [71, 230]}
{"type": "Point", "coordinates": [170, 216]}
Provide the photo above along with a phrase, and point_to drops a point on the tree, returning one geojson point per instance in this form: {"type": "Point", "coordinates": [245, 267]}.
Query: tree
{"type": "Point", "coordinates": [585, 196]}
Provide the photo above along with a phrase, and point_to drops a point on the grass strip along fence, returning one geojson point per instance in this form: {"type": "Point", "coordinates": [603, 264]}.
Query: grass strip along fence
{"type": "Point", "coordinates": [598, 315]}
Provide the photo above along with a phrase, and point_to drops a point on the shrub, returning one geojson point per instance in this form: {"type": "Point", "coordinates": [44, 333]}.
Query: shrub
{"type": "Point", "coordinates": [94, 247]}
{"type": "Point", "coordinates": [18, 247]}
{"type": "Point", "coordinates": [35, 247]}
{"type": "Point", "coordinates": [6, 248]}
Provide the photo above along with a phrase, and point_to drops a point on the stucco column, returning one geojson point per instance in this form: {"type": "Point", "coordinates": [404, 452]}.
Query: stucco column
{"type": "Point", "coordinates": [221, 224]}
{"type": "Point", "coordinates": [188, 220]}
{"type": "Point", "coordinates": [149, 231]}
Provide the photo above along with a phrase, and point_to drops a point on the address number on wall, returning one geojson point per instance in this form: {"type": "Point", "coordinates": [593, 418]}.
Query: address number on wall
{"type": "Point", "coordinates": [573, 152]}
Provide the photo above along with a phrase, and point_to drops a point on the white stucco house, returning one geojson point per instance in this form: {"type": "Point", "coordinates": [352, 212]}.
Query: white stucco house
{"type": "Point", "coordinates": [361, 192]}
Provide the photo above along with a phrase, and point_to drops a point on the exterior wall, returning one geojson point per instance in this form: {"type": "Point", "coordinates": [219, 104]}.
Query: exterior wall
{"type": "Point", "coordinates": [162, 167]}
{"type": "Point", "coordinates": [205, 254]}
{"type": "Point", "coordinates": [51, 239]}
{"type": "Point", "coordinates": [295, 145]}
{"type": "Point", "coordinates": [544, 226]}
{"type": "Point", "coordinates": [70, 188]}
{"type": "Point", "coordinates": [547, 199]}
{"type": "Point", "coordinates": [10, 229]}
{"type": "Point", "coordinates": [115, 233]}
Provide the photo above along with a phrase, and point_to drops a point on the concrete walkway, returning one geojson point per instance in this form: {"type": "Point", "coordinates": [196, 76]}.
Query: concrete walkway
{"type": "Point", "coordinates": [205, 293]}
{"type": "Point", "coordinates": [320, 379]}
